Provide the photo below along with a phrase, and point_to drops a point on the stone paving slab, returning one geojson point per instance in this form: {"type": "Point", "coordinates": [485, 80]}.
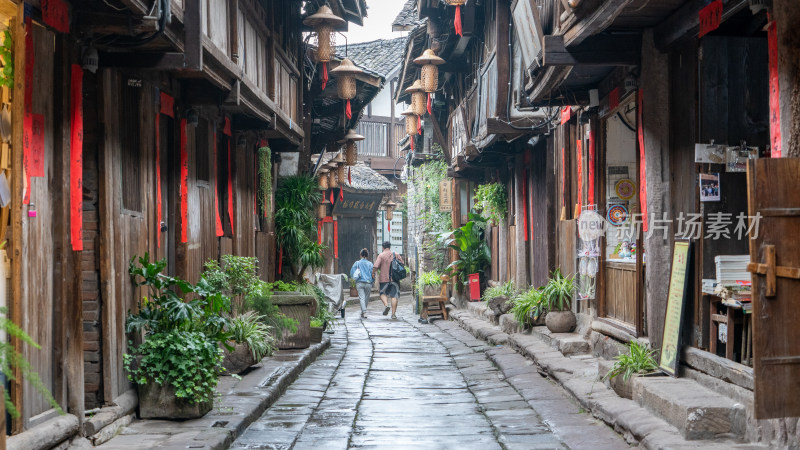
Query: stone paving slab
{"type": "Point", "coordinates": [239, 403]}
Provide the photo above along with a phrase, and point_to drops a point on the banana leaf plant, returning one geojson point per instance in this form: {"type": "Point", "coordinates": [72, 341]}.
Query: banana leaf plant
{"type": "Point", "coordinates": [474, 254]}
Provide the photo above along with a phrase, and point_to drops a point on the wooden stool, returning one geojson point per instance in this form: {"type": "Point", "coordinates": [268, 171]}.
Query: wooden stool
{"type": "Point", "coordinates": [436, 304]}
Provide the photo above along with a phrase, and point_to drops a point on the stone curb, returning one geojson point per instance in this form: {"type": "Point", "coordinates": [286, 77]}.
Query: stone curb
{"type": "Point", "coordinates": [240, 404]}
{"type": "Point", "coordinates": [578, 377]}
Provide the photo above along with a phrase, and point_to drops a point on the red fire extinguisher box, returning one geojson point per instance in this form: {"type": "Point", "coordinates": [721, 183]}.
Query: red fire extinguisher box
{"type": "Point", "coordinates": [475, 286]}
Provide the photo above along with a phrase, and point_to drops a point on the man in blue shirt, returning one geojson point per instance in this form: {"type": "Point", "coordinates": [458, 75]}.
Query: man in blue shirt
{"type": "Point", "coordinates": [362, 273]}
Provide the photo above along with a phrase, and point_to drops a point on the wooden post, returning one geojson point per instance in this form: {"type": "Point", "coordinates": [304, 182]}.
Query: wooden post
{"type": "Point", "coordinates": [786, 15]}
{"type": "Point", "coordinates": [18, 113]}
{"type": "Point", "coordinates": [233, 12]}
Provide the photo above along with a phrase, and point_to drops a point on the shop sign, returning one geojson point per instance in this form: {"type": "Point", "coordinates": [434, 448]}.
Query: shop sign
{"type": "Point", "coordinates": [357, 205]}
{"type": "Point", "coordinates": [445, 196]}
{"type": "Point", "coordinates": [676, 300]}
{"type": "Point", "coordinates": [710, 18]}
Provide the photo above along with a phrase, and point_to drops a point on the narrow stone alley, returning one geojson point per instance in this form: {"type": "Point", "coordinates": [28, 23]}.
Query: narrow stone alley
{"type": "Point", "coordinates": [397, 384]}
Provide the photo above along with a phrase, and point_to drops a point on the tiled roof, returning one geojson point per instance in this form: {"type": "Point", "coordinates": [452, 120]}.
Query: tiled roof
{"type": "Point", "coordinates": [408, 17]}
{"type": "Point", "coordinates": [381, 56]}
{"type": "Point", "coordinates": [364, 179]}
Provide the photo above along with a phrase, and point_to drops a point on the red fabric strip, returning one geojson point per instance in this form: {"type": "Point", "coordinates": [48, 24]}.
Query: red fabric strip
{"type": "Point", "coordinates": [55, 13]}
{"type": "Point", "coordinates": [429, 104]}
{"type": "Point", "coordinates": [566, 114]}
{"type": "Point", "coordinates": [341, 192]}
{"type": "Point", "coordinates": [774, 92]}
{"type": "Point", "coordinates": [709, 18]}
{"type": "Point", "coordinates": [319, 232]}
{"type": "Point", "coordinates": [226, 130]}
{"type": "Point", "coordinates": [331, 195]}
{"type": "Point", "coordinates": [184, 185]}
{"type": "Point", "coordinates": [525, 204]}
{"type": "Point", "coordinates": [419, 124]}
{"type": "Point", "coordinates": [324, 75]}
{"type": "Point", "coordinates": [76, 159]}
{"type": "Point", "coordinates": [220, 230]}
{"type": "Point", "coordinates": [335, 239]}
{"type": "Point", "coordinates": [280, 261]}
{"type": "Point", "coordinates": [167, 105]}
{"type": "Point", "coordinates": [230, 187]}
{"type": "Point", "coordinates": [642, 163]}
{"type": "Point", "coordinates": [27, 120]}
{"type": "Point", "coordinates": [412, 142]}
{"type": "Point", "coordinates": [457, 21]}
{"type": "Point", "coordinates": [591, 168]}
{"type": "Point", "coordinates": [613, 98]}
{"type": "Point", "coordinates": [579, 154]}
{"type": "Point", "coordinates": [348, 111]}
{"type": "Point", "coordinates": [158, 179]}
{"type": "Point", "coordinates": [563, 178]}
{"type": "Point", "coordinates": [349, 177]}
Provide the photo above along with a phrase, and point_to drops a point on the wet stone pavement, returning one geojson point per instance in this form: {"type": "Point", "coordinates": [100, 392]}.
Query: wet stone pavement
{"type": "Point", "coordinates": [397, 384]}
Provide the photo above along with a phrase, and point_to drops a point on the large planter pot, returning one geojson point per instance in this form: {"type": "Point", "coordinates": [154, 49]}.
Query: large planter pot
{"type": "Point", "coordinates": [316, 335]}
{"type": "Point", "coordinates": [625, 388]}
{"type": "Point", "coordinates": [301, 308]}
{"type": "Point", "coordinates": [432, 291]}
{"type": "Point", "coordinates": [238, 360]}
{"type": "Point", "coordinates": [560, 321]}
{"type": "Point", "coordinates": [159, 402]}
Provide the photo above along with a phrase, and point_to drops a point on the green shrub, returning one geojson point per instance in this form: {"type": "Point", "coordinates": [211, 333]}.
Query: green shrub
{"type": "Point", "coordinates": [528, 306]}
{"type": "Point", "coordinates": [316, 323]}
{"type": "Point", "coordinates": [559, 291]}
{"type": "Point", "coordinates": [492, 201]}
{"type": "Point", "coordinates": [507, 289]}
{"type": "Point", "coordinates": [249, 328]}
{"type": "Point", "coordinates": [425, 279]}
{"type": "Point", "coordinates": [638, 360]}
{"type": "Point", "coordinates": [260, 301]}
{"type": "Point", "coordinates": [236, 277]}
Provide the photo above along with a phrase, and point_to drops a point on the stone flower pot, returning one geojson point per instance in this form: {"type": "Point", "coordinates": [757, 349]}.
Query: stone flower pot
{"type": "Point", "coordinates": [159, 402]}
{"type": "Point", "coordinates": [301, 308]}
{"type": "Point", "coordinates": [432, 291]}
{"type": "Point", "coordinates": [238, 360]}
{"type": "Point", "coordinates": [316, 335]}
{"type": "Point", "coordinates": [560, 321]}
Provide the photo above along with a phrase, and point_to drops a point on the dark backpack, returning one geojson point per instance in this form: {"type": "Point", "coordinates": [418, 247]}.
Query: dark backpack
{"type": "Point", "coordinates": [397, 271]}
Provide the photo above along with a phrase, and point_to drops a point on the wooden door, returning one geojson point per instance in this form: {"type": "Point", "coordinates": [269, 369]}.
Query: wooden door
{"type": "Point", "coordinates": [169, 225]}
{"type": "Point", "coordinates": [773, 186]}
{"type": "Point", "coordinates": [356, 233]}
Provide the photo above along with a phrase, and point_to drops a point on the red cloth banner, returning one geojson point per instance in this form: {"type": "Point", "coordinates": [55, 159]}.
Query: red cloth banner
{"type": "Point", "coordinates": [341, 192]}
{"type": "Point", "coordinates": [76, 159]}
{"type": "Point", "coordinates": [335, 238]}
{"type": "Point", "coordinates": [324, 75]}
{"type": "Point", "coordinates": [579, 155]}
{"type": "Point", "coordinates": [774, 92]}
{"type": "Point", "coordinates": [348, 110]}
{"type": "Point", "coordinates": [55, 13]}
{"type": "Point", "coordinates": [319, 232]}
{"type": "Point", "coordinates": [457, 21]}
{"type": "Point", "coordinates": [349, 177]}
{"type": "Point", "coordinates": [230, 187]}
{"type": "Point", "coordinates": [226, 130]}
{"type": "Point", "coordinates": [158, 179]}
{"type": "Point", "coordinates": [167, 105]}
{"type": "Point", "coordinates": [27, 120]}
{"type": "Point", "coordinates": [525, 204]}
{"type": "Point", "coordinates": [710, 18]}
{"type": "Point", "coordinates": [429, 104]}
{"type": "Point", "coordinates": [590, 200]}
{"type": "Point", "coordinates": [184, 185]}
{"type": "Point", "coordinates": [36, 146]}
{"type": "Point", "coordinates": [613, 98]}
{"type": "Point", "coordinates": [218, 222]}
{"type": "Point", "coordinates": [566, 114]}
{"type": "Point", "coordinates": [642, 163]}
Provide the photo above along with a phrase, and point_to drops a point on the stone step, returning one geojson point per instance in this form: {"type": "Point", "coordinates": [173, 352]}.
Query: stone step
{"type": "Point", "coordinates": [697, 412]}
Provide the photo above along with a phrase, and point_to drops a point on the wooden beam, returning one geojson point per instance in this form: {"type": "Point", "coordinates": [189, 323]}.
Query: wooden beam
{"type": "Point", "coordinates": [193, 40]}
{"type": "Point", "coordinates": [106, 23]}
{"type": "Point", "coordinates": [599, 20]}
{"type": "Point", "coordinates": [685, 22]}
{"type": "Point", "coordinates": [233, 13]}
{"type": "Point", "coordinates": [600, 50]}
{"type": "Point", "coordinates": [146, 61]}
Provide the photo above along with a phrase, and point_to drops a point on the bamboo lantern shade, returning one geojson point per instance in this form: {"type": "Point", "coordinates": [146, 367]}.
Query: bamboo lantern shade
{"type": "Point", "coordinates": [412, 124]}
{"type": "Point", "coordinates": [325, 23]}
{"type": "Point", "coordinates": [322, 211]}
{"type": "Point", "coordinates": [322, 181]}
{"type": "Point", "coordinates": [390, 209]}
{"type": "Point", "coordinates": [455, 2]}
{"type": "Point", "coordinates": [430, 72]}
{"type": "Point", "coordinates": [351, 153]}
{"type": "Point", "coordinates": [418, 98]}
{"type": "Point", "coordinates": [340, 174]}
{"type": "Point", "coordinates": [346, 79]}
{"type": "Point", "coordinates": [326, 43]}
{"type": "Point", "coordinates": [332, 182]}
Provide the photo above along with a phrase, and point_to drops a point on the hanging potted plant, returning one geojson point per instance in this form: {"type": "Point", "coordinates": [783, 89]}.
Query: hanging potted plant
{"type": "Point", "coordinates": [558, 294]}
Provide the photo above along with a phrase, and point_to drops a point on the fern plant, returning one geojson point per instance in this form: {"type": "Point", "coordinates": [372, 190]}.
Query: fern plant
{"type": "Point", "coordinates": [492, 201]}
{"type": "Point", "coordinates": [638, 360]}
{"type": "Point", "coordinates": [559, 291]}
{"type": "Point", "coordinates": [528, 306]}
{"type": "Point", "coordinates": [507, 289]}
{"type": "Point", "coordinates": [249, 328]}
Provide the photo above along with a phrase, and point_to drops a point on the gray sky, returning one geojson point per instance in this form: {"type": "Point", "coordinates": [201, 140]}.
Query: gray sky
{"type": "Point", "coordinates": [378, 23]}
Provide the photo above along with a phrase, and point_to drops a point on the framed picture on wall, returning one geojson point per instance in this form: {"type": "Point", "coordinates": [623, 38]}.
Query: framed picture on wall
{"type": "Point", "coordinates": [709, 187]}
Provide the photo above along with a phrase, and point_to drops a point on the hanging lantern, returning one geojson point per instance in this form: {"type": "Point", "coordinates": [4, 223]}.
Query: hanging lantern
{"type": "Point", "coordinates": [412, 122]}
{"type": "Point", "coordinates": [322, 181]}
{"type": "Point", "coordinates": [390, 205]}
{"type": "Point", "coordinates": [325, 24]}
{"type": "Point", "coordinates": [417, 98]}
{"type": "Point", "coordinates": [457, 19]}
{"type": "Point", "coordinates": [340, 174]}
{"type": "Point", "coordinates": [333, 183]}
{"type": "Point", "coordinates": [323, 208]}
{"type": "Point", "coordinates": [350, 149]}
{"type": "Point", "coordinates": [429, 75]}
{"type": "Point", "coordinates": [346, 83]}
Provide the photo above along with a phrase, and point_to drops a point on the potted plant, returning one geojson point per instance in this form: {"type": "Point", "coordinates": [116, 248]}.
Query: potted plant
{"type": "Point", "coordinates": [260, 300]}
{"type": "Point", "coordinates": [529, 308]}
{"type": "Point", "coordinates": [558, 294]}
{"type": "Point", "coordinates": [499, 298]}
{"type": "Point", "coordinates": [638, 361]}
{"type": "Point", "coordinates": [429, 283]}
{"type": "Point", "coordinates": [177, 367]}
{"type": "Point", "coordinates": [316, 331]}
{"type": "Point", "coordinates": [296, 225]}
{"type": "Point", "coordinates": [253, 342]}
{"type": "Point", "coordinates": [353, 289]}
{"type": "Point", "coordinates": [474, 255]}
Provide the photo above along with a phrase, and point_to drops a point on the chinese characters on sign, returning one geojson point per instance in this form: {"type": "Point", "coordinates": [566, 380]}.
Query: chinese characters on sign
{"type": "Point", "coordinates": [445, 196]}
{"type": "Point", "coordinates": [357, 205]}
{"type": "Point", "coordinates": [716, 225]}
{"type": "Point", "coordinates": [670, 344]}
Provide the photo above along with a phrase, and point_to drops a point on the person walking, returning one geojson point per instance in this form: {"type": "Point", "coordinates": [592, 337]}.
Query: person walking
{"type": "Point", "coordinates": [362, 273]}
{"type": "Point", "coordinates": [388, 288]}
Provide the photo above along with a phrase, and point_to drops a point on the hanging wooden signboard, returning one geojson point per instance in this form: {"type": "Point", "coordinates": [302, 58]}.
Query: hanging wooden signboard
{"type": "Point", "coordinates": [445, 196]}
{"type": "Point", "coordinates": [676, 299]}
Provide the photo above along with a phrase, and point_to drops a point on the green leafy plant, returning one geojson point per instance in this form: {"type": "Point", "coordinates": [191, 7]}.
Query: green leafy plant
{"type": "Point", "coordinates": [426, 279]}
{"type": "Point", "coordinates": [249, 328]}
{"type": "Point", "coordinates": [296, 226]}
{"type": "Point", "coordinates": [316, 323]}
{"type": "Point", "coordinates": [282, 286]}
{"type": "Point", "coordinates": [638, 360]}
{"type": "Point", "coordinates": [423, 199]}
{"type": "Point", "coordinates": [264, 180]}
{"type": "Point", "coordinates": [11, 359]}
{"type": "Point", "coordinates": [260, 301]}
{"type": "Point", "coordinates": [492, 201]}
{"type": "Point", "coordinates": [507, 289]}
{"type": "Point", "coordinates": [324, 314]}
{"type": "Point", "coordinates": [236, 277]}
{"type": "Point", "coordinates": [559, 291]}
{"type": "Point", "coordinates": [474, 255]}
{"type": "Point", "coordinates": [528, 306]}
{"type": "Point", "coordinates": [7, 55]}
{"type": "Point", "coordinates": [187, 360]}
